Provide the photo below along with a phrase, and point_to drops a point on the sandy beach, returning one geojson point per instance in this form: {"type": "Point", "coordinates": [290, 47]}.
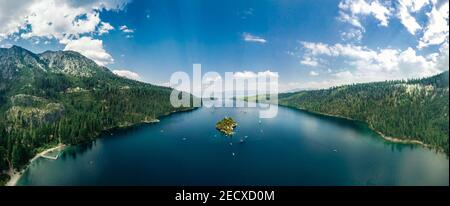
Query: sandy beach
{"type": "Point", "coordinates": [15, 175]}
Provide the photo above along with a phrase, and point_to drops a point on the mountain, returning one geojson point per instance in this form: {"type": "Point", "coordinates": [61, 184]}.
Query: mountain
{"type": "Point", "coordinates": [403, 111]}
{"type": "Point", "coordinates": [298, 90]}
{"type": "Point", "coordinates": [63, 97]}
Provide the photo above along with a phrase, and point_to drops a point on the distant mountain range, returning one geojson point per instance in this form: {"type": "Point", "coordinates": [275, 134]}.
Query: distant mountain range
{"type": "Point", "coordinates": [63, 97]}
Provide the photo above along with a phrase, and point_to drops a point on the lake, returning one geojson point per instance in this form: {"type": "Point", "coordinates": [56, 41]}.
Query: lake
{"type": "Point", "coordinates": [294, 148]}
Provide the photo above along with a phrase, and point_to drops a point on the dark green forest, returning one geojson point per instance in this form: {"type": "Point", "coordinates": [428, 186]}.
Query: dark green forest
{"type": "Point", "coordinates": [63, 97]}
{"type": "Point", "coordinates": [416, 109]}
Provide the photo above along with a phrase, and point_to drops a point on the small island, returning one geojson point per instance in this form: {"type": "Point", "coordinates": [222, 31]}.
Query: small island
{"type": "Point", "coordinates": [226, 126]}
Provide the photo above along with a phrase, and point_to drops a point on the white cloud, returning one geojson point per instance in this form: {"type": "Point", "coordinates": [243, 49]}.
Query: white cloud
{"type": "Point", "coordinates": [353, 20]}
{"type": "Point", "coordinates": [71, 21]}
{"type": "Point", "coordinates": [308, 61]}
{"type": "Point", "coordinates": [436, 31]}
{"type": "Point", "coordinates": [245, 75]}
{"type": "Point", "coordinates": [405, 16]}
{"type": "Point", "coordinates": [251, 38]}
{"type": "Point", "coordinates": [352, 34]}
{"type": "Point", "coordinates": [91, 48]}
{"type": "Point", "coordinates": [11, 16]}
{"type": "Point", "coordinates": [367, 65]}
{"type": "Point", "coordinates": [60, 19]}
{"type": "Point", "coordinates": [211, 78]}
{"type": "Point", "coordinates": [250, 74]}
{"type": "Point", "coordinates": [441, 58]}
{"type": "Point", "coordinates": [66, 21]}
{"type": "Point", "coordinates": [352, 10]}
{"type": "Point", "coordinates": [265, 79]}
{"type": "Point", "coordinates": [380, 12]}
{"type": "Point", "coordinates": [104, 28]}
{"type": "Point", "coordinates": [317, 49]}
{"type": "Point", "coordinates": [268, 73]}
{"type": "Point", "coordinates": [127, 74]}
{"type": "Point", "coordinates": [125, 29]}
{"type": "Point", "coordinates": [313, 73]}
{"type": "Point", "coordinates": [414, 5]}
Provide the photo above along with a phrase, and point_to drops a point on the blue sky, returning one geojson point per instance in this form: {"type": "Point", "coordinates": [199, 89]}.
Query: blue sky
{"type": "Point", "coordinates": [310, 43]}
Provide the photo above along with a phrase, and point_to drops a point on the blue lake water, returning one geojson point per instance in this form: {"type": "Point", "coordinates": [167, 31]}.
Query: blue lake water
{"type": "Point", "coordinates": [295, 148]}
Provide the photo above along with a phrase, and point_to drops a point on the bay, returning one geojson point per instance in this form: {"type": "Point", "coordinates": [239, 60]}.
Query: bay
{"type": "Point", "coordinates": [294, 148]}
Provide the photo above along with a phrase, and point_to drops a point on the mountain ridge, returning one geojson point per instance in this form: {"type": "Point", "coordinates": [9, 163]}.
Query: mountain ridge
{"type": "Point", "coordinates": [64, 97]}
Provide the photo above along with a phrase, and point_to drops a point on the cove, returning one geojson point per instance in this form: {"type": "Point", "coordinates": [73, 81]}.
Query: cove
{"type": "Point", "coordinates": [294, 148]}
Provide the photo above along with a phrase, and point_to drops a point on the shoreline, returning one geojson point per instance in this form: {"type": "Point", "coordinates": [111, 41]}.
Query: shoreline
{"type": "Point", "coordinates": [385, 137]}
{"type": "Point", "coordinates": [14, 175]}
{"type": "Point", "coordinates": [400, 140]}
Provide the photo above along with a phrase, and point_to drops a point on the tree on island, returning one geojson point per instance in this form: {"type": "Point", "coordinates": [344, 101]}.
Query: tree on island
{"type": "Point", "coordinates": [226, 126]}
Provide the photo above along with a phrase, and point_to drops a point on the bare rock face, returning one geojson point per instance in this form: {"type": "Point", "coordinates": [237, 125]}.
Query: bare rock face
{"type": "Point", "coordinates": [20, 73]}
{"type": "Point", "coordinates": [71, 63]}
{"type": "Point", "coordinates": [16, 60]}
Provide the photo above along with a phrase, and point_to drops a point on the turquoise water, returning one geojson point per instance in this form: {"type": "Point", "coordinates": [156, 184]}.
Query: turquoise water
{"type": "Point", "coordinates": [295, 148]}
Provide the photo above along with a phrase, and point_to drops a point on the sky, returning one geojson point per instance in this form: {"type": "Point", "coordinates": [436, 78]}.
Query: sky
{"type": "Point", "coordinates": [308, 43]}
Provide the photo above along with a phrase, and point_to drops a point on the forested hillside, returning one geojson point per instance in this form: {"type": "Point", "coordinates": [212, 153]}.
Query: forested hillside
{"type": "Point", "coordinates": [64, 97]}
{"type": "Point", "coordinates": [409, 110]}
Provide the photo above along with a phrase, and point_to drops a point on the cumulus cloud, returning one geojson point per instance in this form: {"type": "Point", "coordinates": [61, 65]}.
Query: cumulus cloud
{"type": "Point", "coordinates": [352, 10]}
{"type": "Point", "coordinates": [404, 8]}
{"type": "Point", "coordinates": [91, 48]}
{"type": "Point", "coordinates": [127, 74]}
{"type": "Point", "coordinates": [314, 50]}
{"type": "Point", "coordinates": [251, 38]}
{"type": "Point", "coordinates": [60, 19]}
{"type": "Point", "coordinates": [366, 65]}
{"type": "Point", "coordinates": [436, 31]}
{"type": "Point", "coordinates": [414, 5]}
{"type": "Point", "coordinates": [104, 28]}
{"type": "Point", "coordinates": [11, 16]}
{"type": "Point", "coordinates": [64, 20]}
